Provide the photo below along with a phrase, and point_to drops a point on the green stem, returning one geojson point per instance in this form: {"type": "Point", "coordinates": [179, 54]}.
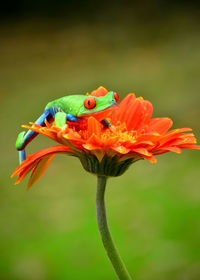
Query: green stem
{"type": "Point", "coordinates": [106, 237]}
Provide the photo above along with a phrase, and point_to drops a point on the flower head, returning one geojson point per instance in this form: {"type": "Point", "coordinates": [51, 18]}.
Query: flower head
{"type": "Point", "coordinates": [109, 150]}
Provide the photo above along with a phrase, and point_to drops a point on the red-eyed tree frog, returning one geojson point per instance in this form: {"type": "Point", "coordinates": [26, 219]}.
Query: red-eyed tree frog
{"type": "Point", "coordinates": [73, 108]}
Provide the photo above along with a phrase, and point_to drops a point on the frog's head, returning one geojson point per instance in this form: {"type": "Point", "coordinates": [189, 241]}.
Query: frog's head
{"type": "Point", "coordinates": [93, 104]}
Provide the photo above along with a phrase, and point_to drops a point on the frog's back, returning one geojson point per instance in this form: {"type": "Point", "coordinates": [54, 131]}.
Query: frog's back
{"type": "Point", "coordinates": [68, 104]}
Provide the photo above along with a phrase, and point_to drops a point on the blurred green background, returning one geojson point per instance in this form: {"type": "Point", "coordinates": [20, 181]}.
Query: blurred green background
{"type": "Point", "coordinates": [52, 48]}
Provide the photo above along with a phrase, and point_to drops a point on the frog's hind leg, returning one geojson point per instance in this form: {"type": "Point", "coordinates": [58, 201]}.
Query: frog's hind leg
{"type": "Point", "coordinates": [22, 156]}
{"type": "Point", "coordinates": [25, 137]}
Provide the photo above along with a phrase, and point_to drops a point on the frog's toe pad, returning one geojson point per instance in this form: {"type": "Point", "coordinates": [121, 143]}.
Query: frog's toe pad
{"type": "Point", "coordinates": [60, 119]}
{"type": "Point", "coordinates": [20, 140]}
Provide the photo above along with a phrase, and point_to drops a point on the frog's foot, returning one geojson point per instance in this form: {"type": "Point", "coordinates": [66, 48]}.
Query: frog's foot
{"type": "Point", "coordinates": [20, 141]}
{"type": "Point", "coordinates": [60, 119]}
{"type": "Point", "coordinates": [106, 123]}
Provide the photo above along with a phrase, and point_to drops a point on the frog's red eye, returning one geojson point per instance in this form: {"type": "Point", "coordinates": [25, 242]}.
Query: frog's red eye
{"type": "Point", "coordinates": [89, 102]}
{"type": "Point", "coordinates": [116, 96]}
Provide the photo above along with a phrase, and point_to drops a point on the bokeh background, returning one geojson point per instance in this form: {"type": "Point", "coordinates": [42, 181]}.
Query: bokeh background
{"type": "Point", "coordinates": [49, 49]}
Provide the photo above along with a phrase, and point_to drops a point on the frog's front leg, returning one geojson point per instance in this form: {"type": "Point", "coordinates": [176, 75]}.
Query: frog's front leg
{"type": "Point", "coordinates": [61, 118]}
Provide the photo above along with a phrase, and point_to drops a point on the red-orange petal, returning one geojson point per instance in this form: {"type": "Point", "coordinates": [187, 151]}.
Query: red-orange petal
{"type": "Point", "coordinates": [100, 91]}
{"type": "Point", "coordinates": [133, 111]}
{"type": "Point", "coordinates": [33, 160]}
{"type": "Point", "coordinates": [142, 151]}
{"type": "Point", "coordinates": [121, 149]}
{"type": "Point", "coordinates": [172, 149]}
{"type": "Point", "coordinates": [39, 170]}
{"type": "Point", "coordinates": [152, 159]}
{"type": "Point", "coordinates": [134, 114]}
{"type": "Point", "coordinates": [120, 113]}
{"type": "Point", "coordinates": [147, 112]}
{"type": "Point", "coordinates": [173, 135]}
{"type": "Point", "coordinates": [95, 140]}
{"type": "Point", "coordinates": [190, 146]}
{"type": "Point", "coordinates": [160, 125]}
{"type": "Point", "coordinates": [94, 127]}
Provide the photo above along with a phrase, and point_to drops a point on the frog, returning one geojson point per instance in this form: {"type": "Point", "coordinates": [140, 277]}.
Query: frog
{"type": "Point", "coordinates": [71, 108]}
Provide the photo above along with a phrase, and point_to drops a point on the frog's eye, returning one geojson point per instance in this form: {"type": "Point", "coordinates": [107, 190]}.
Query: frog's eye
{"type": "Point", "coordinates": [89, 102]}
{"type": "Point", "coordinates": [116, 96]}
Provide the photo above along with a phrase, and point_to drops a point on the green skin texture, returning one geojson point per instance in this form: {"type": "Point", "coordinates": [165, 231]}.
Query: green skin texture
{"type": "Point", "coordinates": [74, 105]}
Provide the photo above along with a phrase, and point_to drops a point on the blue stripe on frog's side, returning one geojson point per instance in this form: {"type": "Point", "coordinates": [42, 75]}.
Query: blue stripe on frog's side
{"type": "Point", "coordinates": [72, 118]}
{"type": "Point", "coordinates": [69, 117]}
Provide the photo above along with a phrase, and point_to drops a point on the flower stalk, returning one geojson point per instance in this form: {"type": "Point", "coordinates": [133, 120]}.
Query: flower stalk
{"type": "Point", "coordinates": [104, 230]}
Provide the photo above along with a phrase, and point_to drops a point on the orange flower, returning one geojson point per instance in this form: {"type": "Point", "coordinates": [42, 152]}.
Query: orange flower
{"type": "Point", "coordinates": [109, 151]}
